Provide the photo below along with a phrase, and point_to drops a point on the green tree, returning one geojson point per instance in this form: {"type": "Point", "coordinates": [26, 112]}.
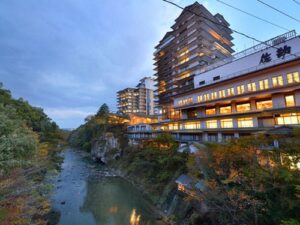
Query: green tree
{"type": "Point", "coordinates": [18, 143]}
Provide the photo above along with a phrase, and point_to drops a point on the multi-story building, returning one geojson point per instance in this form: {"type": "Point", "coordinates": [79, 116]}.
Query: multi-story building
{"type": "Point", "coordinates": [139, 99]}
{"type": "Point", "coordinates": [193, 43]}
{"type": "Point", "coordinates": [258, 90]}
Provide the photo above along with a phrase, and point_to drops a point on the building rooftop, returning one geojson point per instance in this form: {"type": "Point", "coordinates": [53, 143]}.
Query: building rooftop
{"type": "Point", "coordinates": [278, 50]}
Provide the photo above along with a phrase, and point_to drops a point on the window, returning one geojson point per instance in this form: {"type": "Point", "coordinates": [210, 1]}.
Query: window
{"type": "Point", "coordinates": [245, 122]}
{"type": "Point", "coordinates": [192, 125]}
{"type": "Point", "coordinates": [266, 104]}
{"type": "Point", "coordinates": [240, 89]}
{"type": "Point", "coordinates": [202, 82]}
{"type": "Point", "coordinates": [214, 95]}
{"type": "Point", "coordinates": [277, 81]}
{"type": "Point", "coordinates": [243, 107]}
{"type": "Point", "coordinates": [186, 101]}
{"type": "Point", "coordinates": [226, 123]}
{"type": "Point", "coordinates": [216, 78]}
{"type": "Point", "coordinates": [206, 97]}
{"type": "Point", "coordinates": [263, 84]}
{"type": "Point", "coordinates": [173, 126]}
{"type": "Point", "coordinates": [183, 60]}
{"type": "Point", "coordinates": [288, 118]}
{"type": "Point", "coordinates": [211, 111]}
{"type": "Point", "coordinates": [289, 101]}
{"type": "Point", "coordinates": [252, 86]}
{"type": "Point", "coordinates": [211, 124]}
{"type": "Point", "coordinates": [200, 98]}
{"type": "Point", "coordinates": [225, 109]}
{"type": "Point", "coordinates": [293, 77]}
{"type": "Point", "coordinates": [230, 91]}
{"type": "Point", "coordinates": [222, 94]}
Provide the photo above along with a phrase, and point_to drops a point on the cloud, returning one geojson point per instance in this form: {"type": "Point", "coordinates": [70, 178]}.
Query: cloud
{"type": "Point", "coordinates": [70, 56]}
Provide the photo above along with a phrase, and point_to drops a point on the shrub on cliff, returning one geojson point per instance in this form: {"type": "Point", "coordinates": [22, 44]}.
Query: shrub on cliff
{"type": "Point", "coordinates": [155, 163]}
{"type": "Point", "coordinates": [97, 126]}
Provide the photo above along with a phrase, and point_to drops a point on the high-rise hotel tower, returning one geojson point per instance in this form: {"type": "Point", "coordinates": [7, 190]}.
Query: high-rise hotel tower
{"type": "Point", "coordinates": [193, 43]}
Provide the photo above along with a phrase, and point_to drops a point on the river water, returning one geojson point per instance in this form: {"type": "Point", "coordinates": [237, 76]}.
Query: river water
{"type": "Point", "coordinates": [87, 193]}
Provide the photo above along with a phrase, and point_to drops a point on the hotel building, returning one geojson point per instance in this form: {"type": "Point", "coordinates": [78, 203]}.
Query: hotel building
{"type": "Point", "coordinates": [139, 99]}
{"type": "Point", "coordinates": [257, 90]}
{"type": "Point", "coordinates": [193, 43]}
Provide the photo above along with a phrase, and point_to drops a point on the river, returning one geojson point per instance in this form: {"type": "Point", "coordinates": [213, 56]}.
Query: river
{"type": "Point", "coordinates": [87, 193]}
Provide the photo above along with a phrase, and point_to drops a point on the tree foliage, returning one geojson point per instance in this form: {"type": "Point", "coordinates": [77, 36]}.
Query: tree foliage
{"type": "Point", "coordinates": [95, 127]}
{"type": "Point", "coordinates": [251, 184]}
{"type": "Point", "coordinates": [22, 127]}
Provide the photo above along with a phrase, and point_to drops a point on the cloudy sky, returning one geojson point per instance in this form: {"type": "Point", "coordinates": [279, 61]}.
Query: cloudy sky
{"type": "Point", "coordinates": [70, 56]}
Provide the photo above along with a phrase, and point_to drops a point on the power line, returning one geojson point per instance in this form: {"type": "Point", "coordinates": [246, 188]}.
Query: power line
{"type": "Point", "coordinates": [220, 24]}
{"type": "Point", "coordinates": [250, 14]}
{"type": "Point", "coordinates": [272, 7]}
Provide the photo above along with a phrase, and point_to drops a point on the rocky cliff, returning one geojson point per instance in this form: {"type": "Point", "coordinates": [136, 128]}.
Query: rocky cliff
{"type": "Point", "coordinates": [106, 148]}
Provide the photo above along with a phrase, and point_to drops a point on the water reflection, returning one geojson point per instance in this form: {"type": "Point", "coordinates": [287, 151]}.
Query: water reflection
{"type": "Point", "coordinates": [92, 196]}
{"type": "Point", "coordinates": [113, 200]}
{"type": "Point", "coordinates": [134, 218]}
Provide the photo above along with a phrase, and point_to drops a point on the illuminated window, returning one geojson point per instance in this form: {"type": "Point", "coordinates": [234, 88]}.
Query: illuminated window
{"type": "Point", "coordinates": [183, 60]}
{"type": "Point", "coordinates": [222, 94]}
{"type": "Point", "coordinates": [267, 104]}
{"type": "Point", "coordinates": [206, 97]}
{"type": "Point", "coordinates": [240, 89]}
{"type": "Point", "coordinates": [173, 126]}
{"type": "Point", "coordinates": [263, 84]}
{"type": "Point", "coordinates": [245, 122]}
{"type": "Point", "coordinates": [192, 125]}
{"type": "Point", "coordinates": [230, 91]}
{"type": "Point", "coordinates": [277, 81]}
{"type": "Point", "coordinates": [200, 98]}
{"type": "Point", "coordinates": [288, 118]}
{"type": "Point", "coordinates": [225, 109]}
{"type": "Point", "coordinates": [211, 111]}
{"type": "Point", "coordinates": [289, 101]}
{"type": "Point", "coordinates": [184, 53]}
{"type": "Point", "coordinates": [293, 77]}
{"type": "Point", "coordinates": [211, 124]}
{"type": "Point", "coordinates": [243, 107]}
{"type": "Point", "coordinates": [214, 95]}
{"type": "Point", "coordinates": [186, 101]}
{"type": "Point", "coordinates": [252, 86]}
{"type": "Point", "coordinates": [226, 123]}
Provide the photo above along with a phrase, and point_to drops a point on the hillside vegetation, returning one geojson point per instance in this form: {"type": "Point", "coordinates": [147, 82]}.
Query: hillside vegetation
{"type": "Point", "coordinates": [28, 153]}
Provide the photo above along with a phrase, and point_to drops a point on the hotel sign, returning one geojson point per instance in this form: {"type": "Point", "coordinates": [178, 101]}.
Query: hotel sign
{"type": "Point", "coordinates": [280, 53]}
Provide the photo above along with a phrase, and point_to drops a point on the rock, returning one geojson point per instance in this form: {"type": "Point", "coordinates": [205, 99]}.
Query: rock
{"type": "Point", "coordinates": [63, 203]}
{"type": "Point", "coordinates": [106, 148]}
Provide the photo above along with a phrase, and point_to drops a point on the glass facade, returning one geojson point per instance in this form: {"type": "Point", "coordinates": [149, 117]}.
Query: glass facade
{"type": "Point", "coordinates": [211, 111]}
{"type": "Point", "coordinates": [293, 77]}
{"type": "Point", "coordinates": [240, 89]}
{"type": "Point", "coordinates": [192, 125]}
{"type": "Point", "coordinates": [266, 104]}
{"type": "Point", "coordinates": [252, 86]}
{"type": "Point", "coordinates": [289, 100]}
{"type": "Point", "coordinates": [245, 122]}
{"type": "Point", "coordinates": [277, 81]}
{"type": "Point", "coordinates": [225, 109]}
{"type": "Point", "coordinates": [211, 124]}
{"type": "Point", "coordinates": [226, 123]}
{"type": "Point", "coordinates": [243, 107]}
{"type": "Point", "coordinates": [263, 84]}
{"type": "Point", "coordinates": [288, 119]}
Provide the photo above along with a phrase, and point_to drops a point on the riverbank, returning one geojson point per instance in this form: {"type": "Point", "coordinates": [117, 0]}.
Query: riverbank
{"type": "Point", "coordinates": [25, 192]}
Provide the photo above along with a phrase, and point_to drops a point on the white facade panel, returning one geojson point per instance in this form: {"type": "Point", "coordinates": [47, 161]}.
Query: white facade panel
{"type": "Point", "coordinates": [250, 63]}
